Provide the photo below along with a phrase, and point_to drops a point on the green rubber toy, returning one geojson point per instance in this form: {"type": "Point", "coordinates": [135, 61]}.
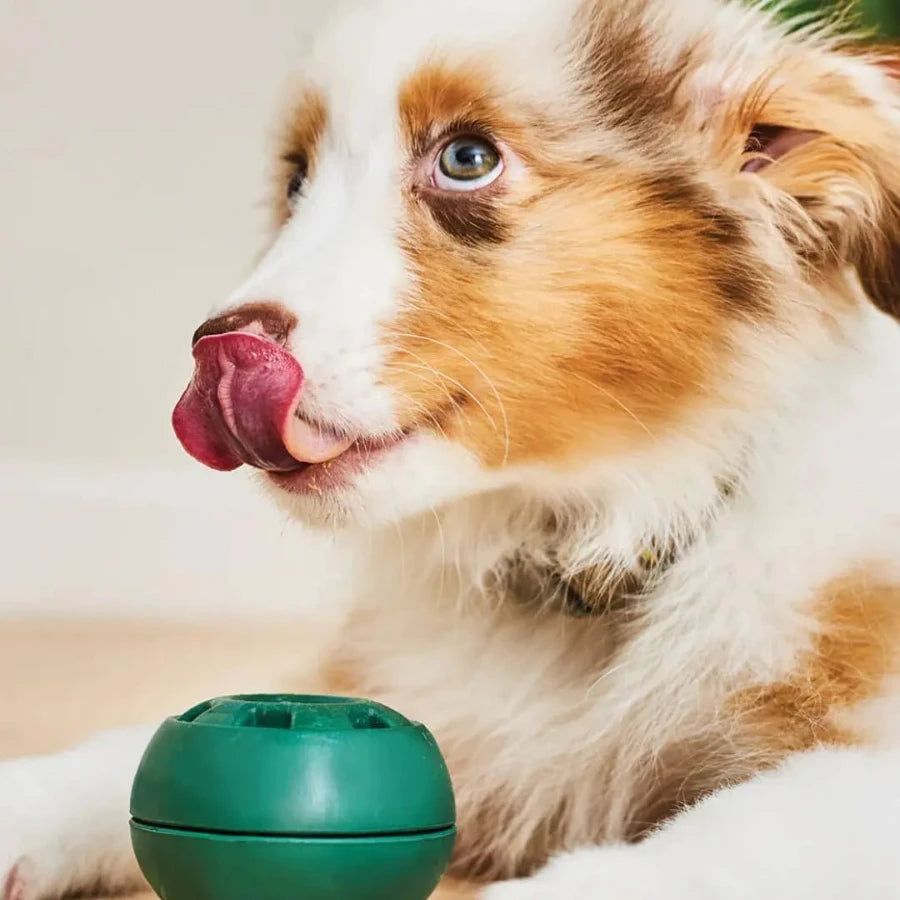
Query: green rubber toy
{"type": "Point", "coordinates": [287, 797]}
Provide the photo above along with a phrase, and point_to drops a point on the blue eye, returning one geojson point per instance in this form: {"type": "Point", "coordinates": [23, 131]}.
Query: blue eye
{"type": "Point", "coordinates": [467, 163]}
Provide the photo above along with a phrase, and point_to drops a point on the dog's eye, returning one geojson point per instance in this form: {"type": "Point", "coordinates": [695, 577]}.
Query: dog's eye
{"type": "Point", "coordinates": [299, 171]}
{"type": "Point", "coordinates": [467, 164]}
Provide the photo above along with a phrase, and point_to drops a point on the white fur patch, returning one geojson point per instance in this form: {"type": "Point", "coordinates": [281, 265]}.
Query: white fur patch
{"type": "Point", "coordinates": [823, 827]}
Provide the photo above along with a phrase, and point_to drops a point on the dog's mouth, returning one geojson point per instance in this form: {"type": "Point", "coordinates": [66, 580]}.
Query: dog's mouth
{"type": "Point", "coordinates": [339, 471]}
{"type": "Point", "coordinates": [243, 407]}
{"type": "Point", "coordinates": [362, 454]}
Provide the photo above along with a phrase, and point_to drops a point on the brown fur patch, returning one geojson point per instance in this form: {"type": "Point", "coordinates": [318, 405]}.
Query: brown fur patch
{"type": "Point", "coordinates": [626, 81]}
{"type": "Point", "coordinates": [856, 649]}
{"type": "Point", "coordinates": [439, 99]}
{"type": "Point", "coordinates": [472, 220]}
{"type": "Point", "coordinates": [299, 144]}
{"type": "Point", "coordinates": [578, 309]}
{"type": "Point", "coordinates": [437, 104]}
{"type": "Point", "coordinates": [739, 279]}
{"type": "Point", "coordinates": [560, 349]}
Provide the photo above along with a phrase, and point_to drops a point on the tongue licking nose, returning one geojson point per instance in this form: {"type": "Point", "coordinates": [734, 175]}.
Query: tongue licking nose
{"type": "Point", "coordinates": [240, 407]}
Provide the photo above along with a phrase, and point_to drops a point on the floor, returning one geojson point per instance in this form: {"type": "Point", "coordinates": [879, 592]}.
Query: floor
{"type": "Point", "coordinates": [100, 674]}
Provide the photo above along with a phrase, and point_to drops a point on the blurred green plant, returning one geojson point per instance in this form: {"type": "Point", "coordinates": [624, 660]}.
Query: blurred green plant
{"type": "Point", "coordinates": [883, 15]}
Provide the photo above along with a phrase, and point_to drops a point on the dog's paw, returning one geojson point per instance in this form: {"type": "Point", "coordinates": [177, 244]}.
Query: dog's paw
{"type": "Point", "coordinates": [64, 819]}
{"type": "Point", "coordinates": [17, 883]}
{"type": "Point", "coordinates": [22, 882]}
{"type": "Point", "coordinates": [614, 873]}
{"type": "Point", "coordinates": [31, 829]}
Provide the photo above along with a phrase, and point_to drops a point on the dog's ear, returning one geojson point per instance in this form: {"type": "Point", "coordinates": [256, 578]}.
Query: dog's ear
{"type": "Point", "coordinates": [824, 133]}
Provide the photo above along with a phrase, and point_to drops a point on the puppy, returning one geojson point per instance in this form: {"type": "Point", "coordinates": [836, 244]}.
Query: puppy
{"type": "Point", "coordinates": [581, 313]}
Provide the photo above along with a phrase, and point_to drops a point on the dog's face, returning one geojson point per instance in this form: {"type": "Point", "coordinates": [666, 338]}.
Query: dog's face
{"type": "Point", "coordinates": [517, 238]}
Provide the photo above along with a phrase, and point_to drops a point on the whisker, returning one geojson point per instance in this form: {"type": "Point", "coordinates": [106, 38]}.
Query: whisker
{"type": "Point", "coordinates": [440, 528]}
{"type": "Point", "coordinates": [480, 371]}
{"type": "Point", "coordinates": [631, 414]}
{"type": "Point", "coordinates": [443, 376]}
{"type": "Point", "coordinates": [429, 415]}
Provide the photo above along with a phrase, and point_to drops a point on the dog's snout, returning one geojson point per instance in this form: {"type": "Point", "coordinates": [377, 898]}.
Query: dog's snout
{"type": "Point", "coordinates": [269, 320]}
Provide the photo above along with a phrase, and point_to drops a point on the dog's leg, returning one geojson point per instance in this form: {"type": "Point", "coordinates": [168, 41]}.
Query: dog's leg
{"type": "Point", "coordinates": [64, 819]}
{"type": "Point", "coordinates": [825, 826]}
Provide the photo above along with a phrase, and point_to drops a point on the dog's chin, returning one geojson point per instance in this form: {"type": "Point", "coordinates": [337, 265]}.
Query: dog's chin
{"type": "Point", "coordinates": [418, 475]}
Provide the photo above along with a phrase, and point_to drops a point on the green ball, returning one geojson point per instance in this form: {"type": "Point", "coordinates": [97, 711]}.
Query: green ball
{"type": "Point", "coordinates": [290, 797]}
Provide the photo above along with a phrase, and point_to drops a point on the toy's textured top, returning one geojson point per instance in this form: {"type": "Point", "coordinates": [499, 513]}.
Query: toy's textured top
{"type": "Point", "coordinates": [295, 766]}
{"type": "Point", "coordinates": [295, 712]}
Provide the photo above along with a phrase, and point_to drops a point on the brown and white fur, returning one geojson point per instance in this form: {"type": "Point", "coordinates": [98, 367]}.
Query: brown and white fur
{"type": "Point", "coordinates": [638, 363]}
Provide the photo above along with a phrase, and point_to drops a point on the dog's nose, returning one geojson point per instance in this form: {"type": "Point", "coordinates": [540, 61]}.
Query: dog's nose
{"type": "Point", "coordinates": [270, 320]}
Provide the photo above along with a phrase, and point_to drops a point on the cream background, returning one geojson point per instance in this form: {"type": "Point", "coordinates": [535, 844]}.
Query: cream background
{"type": "Point", "coordinates": [134, 139]}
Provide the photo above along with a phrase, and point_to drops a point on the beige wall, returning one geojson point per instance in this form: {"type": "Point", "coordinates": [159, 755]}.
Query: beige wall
{"type": "Point", "coordinates": [133, 148]}
{"type": "Point", "coordinates": [132, 180]}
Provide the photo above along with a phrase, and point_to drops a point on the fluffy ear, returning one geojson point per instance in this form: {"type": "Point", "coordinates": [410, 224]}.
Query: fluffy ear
{"type": "Point", "coordinates": [825, 135]}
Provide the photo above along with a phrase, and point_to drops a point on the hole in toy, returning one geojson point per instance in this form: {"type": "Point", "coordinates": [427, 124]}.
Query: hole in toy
{"type": "Point", "coordinates": [294, 712]}
{"type": "Point", "coordinates": [273, 717]}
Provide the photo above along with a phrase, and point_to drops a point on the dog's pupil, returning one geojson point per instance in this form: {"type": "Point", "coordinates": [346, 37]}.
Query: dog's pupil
{"type": "Point", "coordinates": [469, 156]}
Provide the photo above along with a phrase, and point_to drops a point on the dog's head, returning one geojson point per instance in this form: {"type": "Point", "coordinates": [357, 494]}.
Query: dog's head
{"type": "Point", "coordinates": [516, 238]}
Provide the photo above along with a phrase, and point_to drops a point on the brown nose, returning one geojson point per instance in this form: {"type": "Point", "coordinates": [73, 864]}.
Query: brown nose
{"type": "Point", "coordinates": [269, 320]}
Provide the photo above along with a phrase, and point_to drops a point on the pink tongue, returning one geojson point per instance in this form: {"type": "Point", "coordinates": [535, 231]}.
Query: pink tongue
{"type": "Point", "coordinates": [240, 403]}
